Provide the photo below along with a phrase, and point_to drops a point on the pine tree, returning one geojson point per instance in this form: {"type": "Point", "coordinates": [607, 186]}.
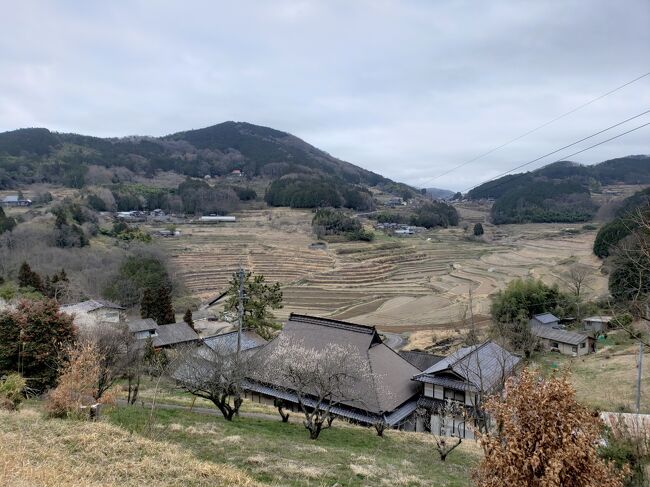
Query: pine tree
{"type": "Point", "coordinates": [164, 310]}
{"type": "Point", "coordinates": [187, 318]}
{"type": "Point", "coordinates": [148, 304]}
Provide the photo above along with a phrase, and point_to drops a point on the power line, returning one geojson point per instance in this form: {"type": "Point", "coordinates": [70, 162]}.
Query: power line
{"type": "Point", "coordinates": [535, 129]}
{"type": "Point", "coordinates": [565, 157]}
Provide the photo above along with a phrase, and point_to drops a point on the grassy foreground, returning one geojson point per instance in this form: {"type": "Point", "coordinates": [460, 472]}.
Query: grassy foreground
{"type": "Point", "coordinates": [49, 452]}
{"type": "Point", "coordinates": [276, 453]}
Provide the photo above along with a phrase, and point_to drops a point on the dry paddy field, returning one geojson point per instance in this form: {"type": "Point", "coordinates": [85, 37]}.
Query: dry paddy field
{"type": "Point", "coordinates": [399, 284]}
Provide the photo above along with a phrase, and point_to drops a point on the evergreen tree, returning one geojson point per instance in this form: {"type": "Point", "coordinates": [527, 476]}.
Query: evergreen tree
{"type": "Point", "coordinates": [28, 278]}
{"type": "Point", "coordinates": [164, 310]}
{"type": "Point", "coordinates": [187, 318]}
{"type": "Point", "coordinates": [148, 304]}
{"type": "Point", "coordinates": [6, 223]}
{"type": "Point", "coordinates": [478, 230]}
{"type": "Point", "coordinates": [32, 338]}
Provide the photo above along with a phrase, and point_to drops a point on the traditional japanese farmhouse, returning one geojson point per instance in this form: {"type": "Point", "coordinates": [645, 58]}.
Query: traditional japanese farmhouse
{"type": "Point", "coordinates": [462, 378]}
{"type": "Point", "coordinates": [389, 396]}
{"type": "Point", "coordinates": [565, 342]}
{"type": "Point", "coordinates": [95, 313]}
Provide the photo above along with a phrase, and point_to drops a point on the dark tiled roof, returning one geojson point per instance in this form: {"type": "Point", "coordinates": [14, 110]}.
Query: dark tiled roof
{"type": "Point", "coordinates": [561, 336]}
{"type": "Point", "coordinates": [483, 366]}
{"type": "Point", "coordinates": [90, 305]}
{"type": "Point", "coordinates": [146, 324]}
{"type": "Point", "coordinates": [421, 360]}
{"type": "Point", "coordinates": [174, 334]}
{"type": "Point", "coordinates": [392, 385]}
{"type": "Point", "coordinates": [546, 318]}
{"type": "Point", "coordinates": [358, 415]}
{"type": "Point", "coordinates": [249, 340]}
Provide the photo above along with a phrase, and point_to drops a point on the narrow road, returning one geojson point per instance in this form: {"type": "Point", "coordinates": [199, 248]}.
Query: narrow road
{"type": "Point", "coordinates": [394, 340]}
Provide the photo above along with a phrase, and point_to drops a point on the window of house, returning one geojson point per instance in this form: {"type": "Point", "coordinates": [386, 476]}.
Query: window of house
{"type": "Point", "coordinates": [574, 349]}
{"type": "Point", "coordinates": [454, 395]}
{"type": "Point", "coordinates": [583, 345]}
{"type": "Point", "coordinates": [555, 345]}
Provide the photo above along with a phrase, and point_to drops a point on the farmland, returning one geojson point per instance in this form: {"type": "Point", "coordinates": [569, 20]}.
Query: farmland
{"type": "Point", "coordinates": [398, 284]}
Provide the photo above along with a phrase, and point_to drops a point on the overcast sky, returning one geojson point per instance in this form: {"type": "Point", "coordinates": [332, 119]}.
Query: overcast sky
{"type": "Point", "coordinates": [408, 89]}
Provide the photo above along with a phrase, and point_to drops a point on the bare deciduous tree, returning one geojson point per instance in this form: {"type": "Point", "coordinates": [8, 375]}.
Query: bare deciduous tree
{"type": "Point", "coordinates": [214, 373]}
{"type": "Point", "coordinates": [445, 439]}
{"type": "Point", "coordinates": [321, 378]}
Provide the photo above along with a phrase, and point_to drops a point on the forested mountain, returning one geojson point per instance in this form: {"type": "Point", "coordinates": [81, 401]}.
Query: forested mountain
{"type": "Point", "coordinates": [39, 155]}
{"type": "Point", "coordinates": [559, 192]}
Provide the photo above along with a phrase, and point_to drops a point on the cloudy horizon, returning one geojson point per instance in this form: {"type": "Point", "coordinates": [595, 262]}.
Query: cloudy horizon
{"type": "Point", "coordinates": [407, 89]}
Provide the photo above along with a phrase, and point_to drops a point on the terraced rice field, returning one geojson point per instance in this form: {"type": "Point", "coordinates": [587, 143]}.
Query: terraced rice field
{"type": "Point", "coordinates": [400, 284]}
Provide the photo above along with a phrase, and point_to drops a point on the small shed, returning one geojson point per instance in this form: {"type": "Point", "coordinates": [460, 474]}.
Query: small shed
{"type": "Point", "coordinates": [596, 323]}
{"type": "Point", "coordinates": [545, 319]}
{"type": "Point", "coordinates": [217, 219]}
{"type": "Point", "coordinates": [565, 342]}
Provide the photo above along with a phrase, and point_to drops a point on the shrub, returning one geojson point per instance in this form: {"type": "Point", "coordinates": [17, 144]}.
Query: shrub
{"type": "Point", "coordinates": [12, 388]}
{"type": "Point", "coordinates": [478, 230]}
{"type": "Point", "coordinates": [77, 383]}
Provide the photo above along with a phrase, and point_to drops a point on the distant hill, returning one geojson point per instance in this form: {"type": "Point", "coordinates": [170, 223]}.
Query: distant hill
{"type": "Point", "coordinates": [442, 194]}
{"type": "Point", "coordinates": [558, 192]}
{"type": "Point", "coordinates": [39, 155]}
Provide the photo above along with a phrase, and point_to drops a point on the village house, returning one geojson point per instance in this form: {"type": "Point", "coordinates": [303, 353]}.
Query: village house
{"type": "Point", "coordinates": [563, 341]}
{"type": "Point", "coordinates": [463, 378]}
{"type": "Point", "coordinates": [95, 312]}
{"type": "Point", "coordinates": [544, 319]}
{"type": "Point", "coordinates": [597, 324]}
{"type": "Point", "coordinates": [163, 336]}
{"type": "Point", "coordinates": [390, 396]}
{"type": "Point", "coordinates": [15, 200]}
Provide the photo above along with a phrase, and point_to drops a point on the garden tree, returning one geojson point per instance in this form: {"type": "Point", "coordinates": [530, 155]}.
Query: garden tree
{"type": "Point", "coordinates": [521, 299]}
{"type": "Point", "coordinates": [542, 438]}
{"type": "Point", "coordinates": [187, 318]}
{"type": "Point", "coordinates": [157, 304]}
{"type": "Point", "coordinates": [321, 378]}
{"type": "Point", "coordinates": [34, 335]}
{"type": "Point", "coordinates": [435, 214]}
{"type": "Point", "coordinates": [28, 278]}
{"type": "Point", "coordinates": [444, 439]}
{"type": "Point", "coordinates": [216, 373]}
{"type": "Point", "coordinates": [478, 229]}
{"type": "Point", "coordinates": [576, 279]}
{"type": "Point", "coordinates": [164, 310]}
{"type": "Point", "coordinates": [259, 299]}
{"type": "Point", "coordinates": [137, 273]}
{"type": "Point", "coordinates": [148, 304]}
{"type": "Point", "coordinates": [6, 223]}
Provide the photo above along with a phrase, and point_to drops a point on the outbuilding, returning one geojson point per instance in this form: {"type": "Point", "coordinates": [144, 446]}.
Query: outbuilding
{"type": "Point", "coordinates": [563, 341]}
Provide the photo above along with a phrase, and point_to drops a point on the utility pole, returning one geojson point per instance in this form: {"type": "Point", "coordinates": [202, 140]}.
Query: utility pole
{"type": "Point", "coordinates": [241, 307]}
{"type": "Point", "coordinates": [638, 379]}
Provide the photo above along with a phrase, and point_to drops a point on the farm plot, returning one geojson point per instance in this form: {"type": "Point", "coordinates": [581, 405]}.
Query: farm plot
{"type": "Point", "coordinates": [404, 284]}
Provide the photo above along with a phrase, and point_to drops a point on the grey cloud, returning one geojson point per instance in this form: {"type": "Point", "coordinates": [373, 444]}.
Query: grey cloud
{"type": "Point", "coordinates": [406, 88]}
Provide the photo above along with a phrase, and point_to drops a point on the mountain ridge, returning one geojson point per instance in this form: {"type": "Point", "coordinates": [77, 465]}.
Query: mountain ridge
{"type": "Point", "coordinates": [216, 150]}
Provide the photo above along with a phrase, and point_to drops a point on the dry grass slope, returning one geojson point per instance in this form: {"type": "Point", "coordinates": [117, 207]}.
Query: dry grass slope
{"type": "Point", "coordinates": [39, 452]}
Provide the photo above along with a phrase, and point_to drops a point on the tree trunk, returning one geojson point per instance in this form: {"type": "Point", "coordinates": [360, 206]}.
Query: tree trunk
{"type": "Point", "coordinates": [283, 415]}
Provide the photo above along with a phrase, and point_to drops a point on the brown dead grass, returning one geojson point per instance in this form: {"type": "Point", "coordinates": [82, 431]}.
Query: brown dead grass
{"type": "Point", "coordinates": [39, 452]}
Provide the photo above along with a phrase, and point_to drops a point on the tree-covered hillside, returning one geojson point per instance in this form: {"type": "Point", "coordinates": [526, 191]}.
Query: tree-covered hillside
{"type": "Point", "coordinates": [39, 155]}
{"type": "Point", "coordinates": [558, 192]}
